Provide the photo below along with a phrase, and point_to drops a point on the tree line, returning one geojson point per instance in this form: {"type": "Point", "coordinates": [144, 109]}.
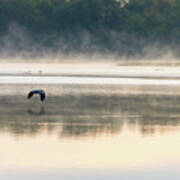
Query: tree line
{"type": "Point", "coordinates": [118, 26]}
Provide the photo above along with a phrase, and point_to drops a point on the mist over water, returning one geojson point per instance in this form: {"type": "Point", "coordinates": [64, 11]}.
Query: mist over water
{"type": "Point", "coordinates": [106, 116]}
{"type": "Point", "coordinates": [19, 43]}
{"type": "Point", "coordinates": [107, 120]}
{"type": "Point", "coordinates": [19, 46]}
{"type": "Point", "coordinates": [112, 89]}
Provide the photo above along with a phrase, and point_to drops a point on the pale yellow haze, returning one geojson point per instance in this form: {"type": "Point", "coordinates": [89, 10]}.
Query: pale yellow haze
{"type": "Point", "coordinates": [125, 151]}
{"type": "Point", "coordinates": [106, 68]}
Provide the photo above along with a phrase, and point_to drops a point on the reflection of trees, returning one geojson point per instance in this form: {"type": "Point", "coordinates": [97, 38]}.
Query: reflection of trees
{"type": "Point", "coordinates": [79, 116]}
{"type": "Point", "coordinates": [68, 116]}
{"type": "Point", "coordinates": [90, 126]}
{"type": "Point", "coordinates": [156, 113]}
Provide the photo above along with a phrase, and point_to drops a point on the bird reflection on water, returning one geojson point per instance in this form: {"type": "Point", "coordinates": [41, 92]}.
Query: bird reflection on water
{"type": "Point", "coordinates": [41, 111]}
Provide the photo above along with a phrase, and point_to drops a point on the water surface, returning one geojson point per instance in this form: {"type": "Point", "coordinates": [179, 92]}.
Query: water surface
{"type": "Point", "coordinates": [90, 132]}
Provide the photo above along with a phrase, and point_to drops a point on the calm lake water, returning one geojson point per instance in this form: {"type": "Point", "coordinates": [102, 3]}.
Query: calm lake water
{"type": "Point", "coordinates": [126, 131]}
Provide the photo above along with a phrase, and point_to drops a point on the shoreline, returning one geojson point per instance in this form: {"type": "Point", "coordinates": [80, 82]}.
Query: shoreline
{"type": "Point", "coordinates": [99, 70]}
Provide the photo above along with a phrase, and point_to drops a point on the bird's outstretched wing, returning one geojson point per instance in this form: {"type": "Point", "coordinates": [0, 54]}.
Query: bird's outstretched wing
{"type": "Point", "coordinates": [43, 96]}
{"type": "Point", "coordinates": [30, 95]}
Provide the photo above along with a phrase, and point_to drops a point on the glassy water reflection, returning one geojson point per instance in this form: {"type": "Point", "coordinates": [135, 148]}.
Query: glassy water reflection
{"type": "Point", "coordinates": [89, 136]}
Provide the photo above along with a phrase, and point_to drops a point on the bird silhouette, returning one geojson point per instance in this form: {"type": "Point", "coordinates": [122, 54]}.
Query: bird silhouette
{"type": "Point", "coordinates": [40, 92]}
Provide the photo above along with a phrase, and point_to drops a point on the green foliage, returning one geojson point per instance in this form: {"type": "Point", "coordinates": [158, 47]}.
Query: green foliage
{"type": "Point", "coordinates": [105, 20]}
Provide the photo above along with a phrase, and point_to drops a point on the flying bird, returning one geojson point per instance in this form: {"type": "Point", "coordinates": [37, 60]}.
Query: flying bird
{"type": "Point", "coordinates": [40, 92]}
